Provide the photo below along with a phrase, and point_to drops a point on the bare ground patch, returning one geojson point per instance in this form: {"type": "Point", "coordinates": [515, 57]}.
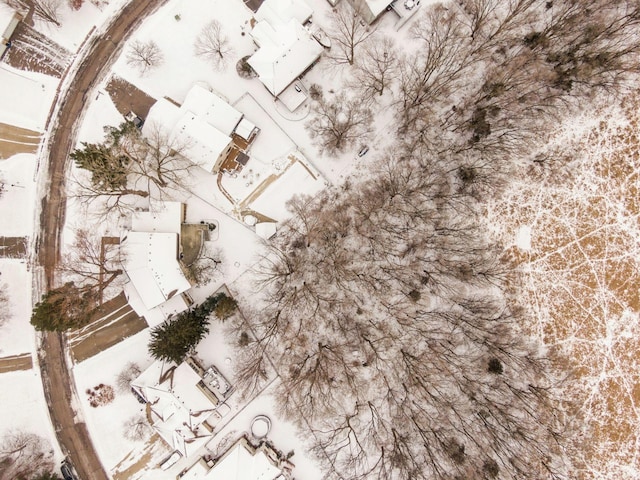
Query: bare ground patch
{"type": "Point", "coordinates": [581, 279]}
{"type": "Point", "coordinates": [129, 98]}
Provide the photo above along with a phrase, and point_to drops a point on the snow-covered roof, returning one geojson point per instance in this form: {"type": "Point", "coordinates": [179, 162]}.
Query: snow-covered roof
{"type": "Point", "coordinates": [150, 260]}
{"type": "Point", "coordinates": [7, 20]}
{"type": "Point", "coordinates": [162, 217]}
{"type": "Point", "coordinates": [203, 142]}
{"type": "Point", "coordinates": [291, 97]}
{"type": "Point", "coordinates": [286, 51]}
{"type": "Point", "coordinates": [266, 230]}
{"type": "Point", "coordinates": [281, 11]}
{"type": "Point", "coordinates": [163, 115]}
{"type": "Point", "coordinates": [202, 125]}
{"type": "Point", "coordinates": [178, 405]}
{"type": "Point", "coordinates": [245, 128]}
{"type": "Point", "coordinates": [239, 464]}
{"type": "Point", "coordinates": [297, 178]}
{"type": "Point", "coordinates": [377, 6]}
{"type": "Point", "coordinates": [212, 109]}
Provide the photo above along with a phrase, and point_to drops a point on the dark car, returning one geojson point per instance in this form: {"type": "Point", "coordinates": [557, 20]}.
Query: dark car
{"type": "Point", "coordinates": [67, 471]}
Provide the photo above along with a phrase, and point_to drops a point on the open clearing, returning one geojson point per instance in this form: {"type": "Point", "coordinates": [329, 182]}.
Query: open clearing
{"type": "Point", "coordinates": [581, 278]}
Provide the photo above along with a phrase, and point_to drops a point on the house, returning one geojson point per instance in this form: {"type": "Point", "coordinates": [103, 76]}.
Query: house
{"type": "Point", "coordinates": [9, 20]}
{"type": "Point", "coordinates": [242, 461]}
{"type": "Point", "coordinates": [286, 48]}
{"type": "Point", "coordinates": [150, 256]}
{"type": "Point", "coordinates": [205, 127]}
{"type": "Point", "coordinates": [184, 402]}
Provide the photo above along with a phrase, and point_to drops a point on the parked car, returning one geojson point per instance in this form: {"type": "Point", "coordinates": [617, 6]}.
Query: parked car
{"type": "Point", "coordinates": [363, 151]}
{"type": "Point", "coordinates": [67, 471]}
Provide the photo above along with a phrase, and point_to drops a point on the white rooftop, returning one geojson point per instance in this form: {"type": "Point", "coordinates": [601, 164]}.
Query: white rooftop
{"type": "Point", "coordinates": [212, 109]}
{"type": "Point", "coordinates": [179, 407]}
{"type": "Point", "coordinates": [239, 464]}
{"type": "Point", "coordinates": [6, 17]}
{"type": "Point", "coordinates": [163, 115]}
{"type": "Point", "coordinates": [281, 11]}
{"type": "Point", "coordinates": [202, 125]}
{"type": "Point", "coordinates": [150, 260]}
{"type": "Point", "coordinates": [203, 142]}
{"type": "Point", "coordinates": [162, 217]}
{"type": "Point", "coordinates": [286, 51]}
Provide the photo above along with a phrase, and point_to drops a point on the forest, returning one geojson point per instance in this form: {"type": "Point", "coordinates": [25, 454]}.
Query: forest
{"type": "Point", "coordinates": [393, 315]}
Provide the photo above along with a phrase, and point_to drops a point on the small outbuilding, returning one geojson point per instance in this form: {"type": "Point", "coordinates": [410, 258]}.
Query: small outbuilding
{"type": "Point", "coordinates": [9, 20]}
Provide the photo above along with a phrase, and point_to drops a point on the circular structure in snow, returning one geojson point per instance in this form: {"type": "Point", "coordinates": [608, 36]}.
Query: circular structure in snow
{"type": "Point", "coordinates": [250, 220]}
{"type": "Point", "coordinates": [260, 426]}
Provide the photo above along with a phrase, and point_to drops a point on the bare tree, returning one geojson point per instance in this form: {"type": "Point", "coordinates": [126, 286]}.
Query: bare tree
{"type": "Point", "coordinates": [207, 266]}
{"type": "Point", "coordinates": [5, 313]}
{"type": "Point", "coordinates": [144, 56]}
{"type": "Point", "coordinates": [338, 123]}
{"type": "Point", "coordinates": [395, 337]}
{"type": "Point", "coordinates": [136, 428]}
{"type": "Point", "coordinates": [93, 260]}
{"type": "Point", "coordinates": [156, 160]}
{"type": "Point", "coordinates": [376, 68]}
{"type": "Point", "coordinates": [128, 165]}
{"type": "Point", "coordinates": [213, 45]}
{"type": "Point", "coordinates": [46, 10]}
{"type": "Point", "coordinates": [348, 32]}
{"type": "Point", "coordinates": [130, 372]}
{"type": "Point", "coordinates": [24, 455]}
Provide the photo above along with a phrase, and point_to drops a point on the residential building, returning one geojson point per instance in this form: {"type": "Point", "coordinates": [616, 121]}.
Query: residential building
{"type": "Point", "coordinates": [150, 257]}
{"type": "Point", "coordinates": [242, 461]}
{"type": "Point", "coordinates": [286, 48]}
{"type": "Point", "coordinates": [184, 402]}
{"type": "Point", "coordinates": [205, 127]}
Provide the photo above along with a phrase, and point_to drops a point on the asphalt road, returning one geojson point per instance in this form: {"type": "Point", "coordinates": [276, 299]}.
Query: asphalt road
{"type": "Point", "coordinates": [74, 437]}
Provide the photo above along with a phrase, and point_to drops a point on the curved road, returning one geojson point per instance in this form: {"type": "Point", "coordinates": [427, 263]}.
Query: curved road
{"type": "Point", "coordinates": [74, 437]}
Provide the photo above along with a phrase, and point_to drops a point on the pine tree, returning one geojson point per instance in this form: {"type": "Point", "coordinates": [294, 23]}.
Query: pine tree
{"type": "Point", "coordinates": [65, 307]}
{"type": "Point", "coordinates": [177, 337]}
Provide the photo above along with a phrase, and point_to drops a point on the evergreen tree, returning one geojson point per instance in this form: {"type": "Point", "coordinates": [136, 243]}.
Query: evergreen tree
{"type": "Point", "coordinates": [174, 339]}
{"type": "Point", "coordinates": [65, 307]}
{"type": "Point", "coordinates": [46, 476]}
{"type": "Point", "coordinates": [177, 337]}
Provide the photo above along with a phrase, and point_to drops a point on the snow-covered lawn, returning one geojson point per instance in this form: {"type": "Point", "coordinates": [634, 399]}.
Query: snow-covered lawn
{"type": "Point", "coordinates": [24, 407]}
{"type": "Point", "coordinates": [17, 336]}
{"type": "Point", "coordinates": [16, 202]}
{"type": "Point", "coordinates": [25, 97]}
{"type": "Point", "coordinates": [106, 422]}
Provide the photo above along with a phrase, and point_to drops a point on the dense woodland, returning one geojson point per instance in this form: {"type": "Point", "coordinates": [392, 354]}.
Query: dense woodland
{"type": "Point", "coordinates": [390, 315]}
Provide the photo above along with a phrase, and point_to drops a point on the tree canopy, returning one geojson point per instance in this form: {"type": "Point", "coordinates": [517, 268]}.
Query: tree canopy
{"type": "Point", "coordinates": [65, 307]}
{"type": "Point", "coordinates": [173, 340]}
